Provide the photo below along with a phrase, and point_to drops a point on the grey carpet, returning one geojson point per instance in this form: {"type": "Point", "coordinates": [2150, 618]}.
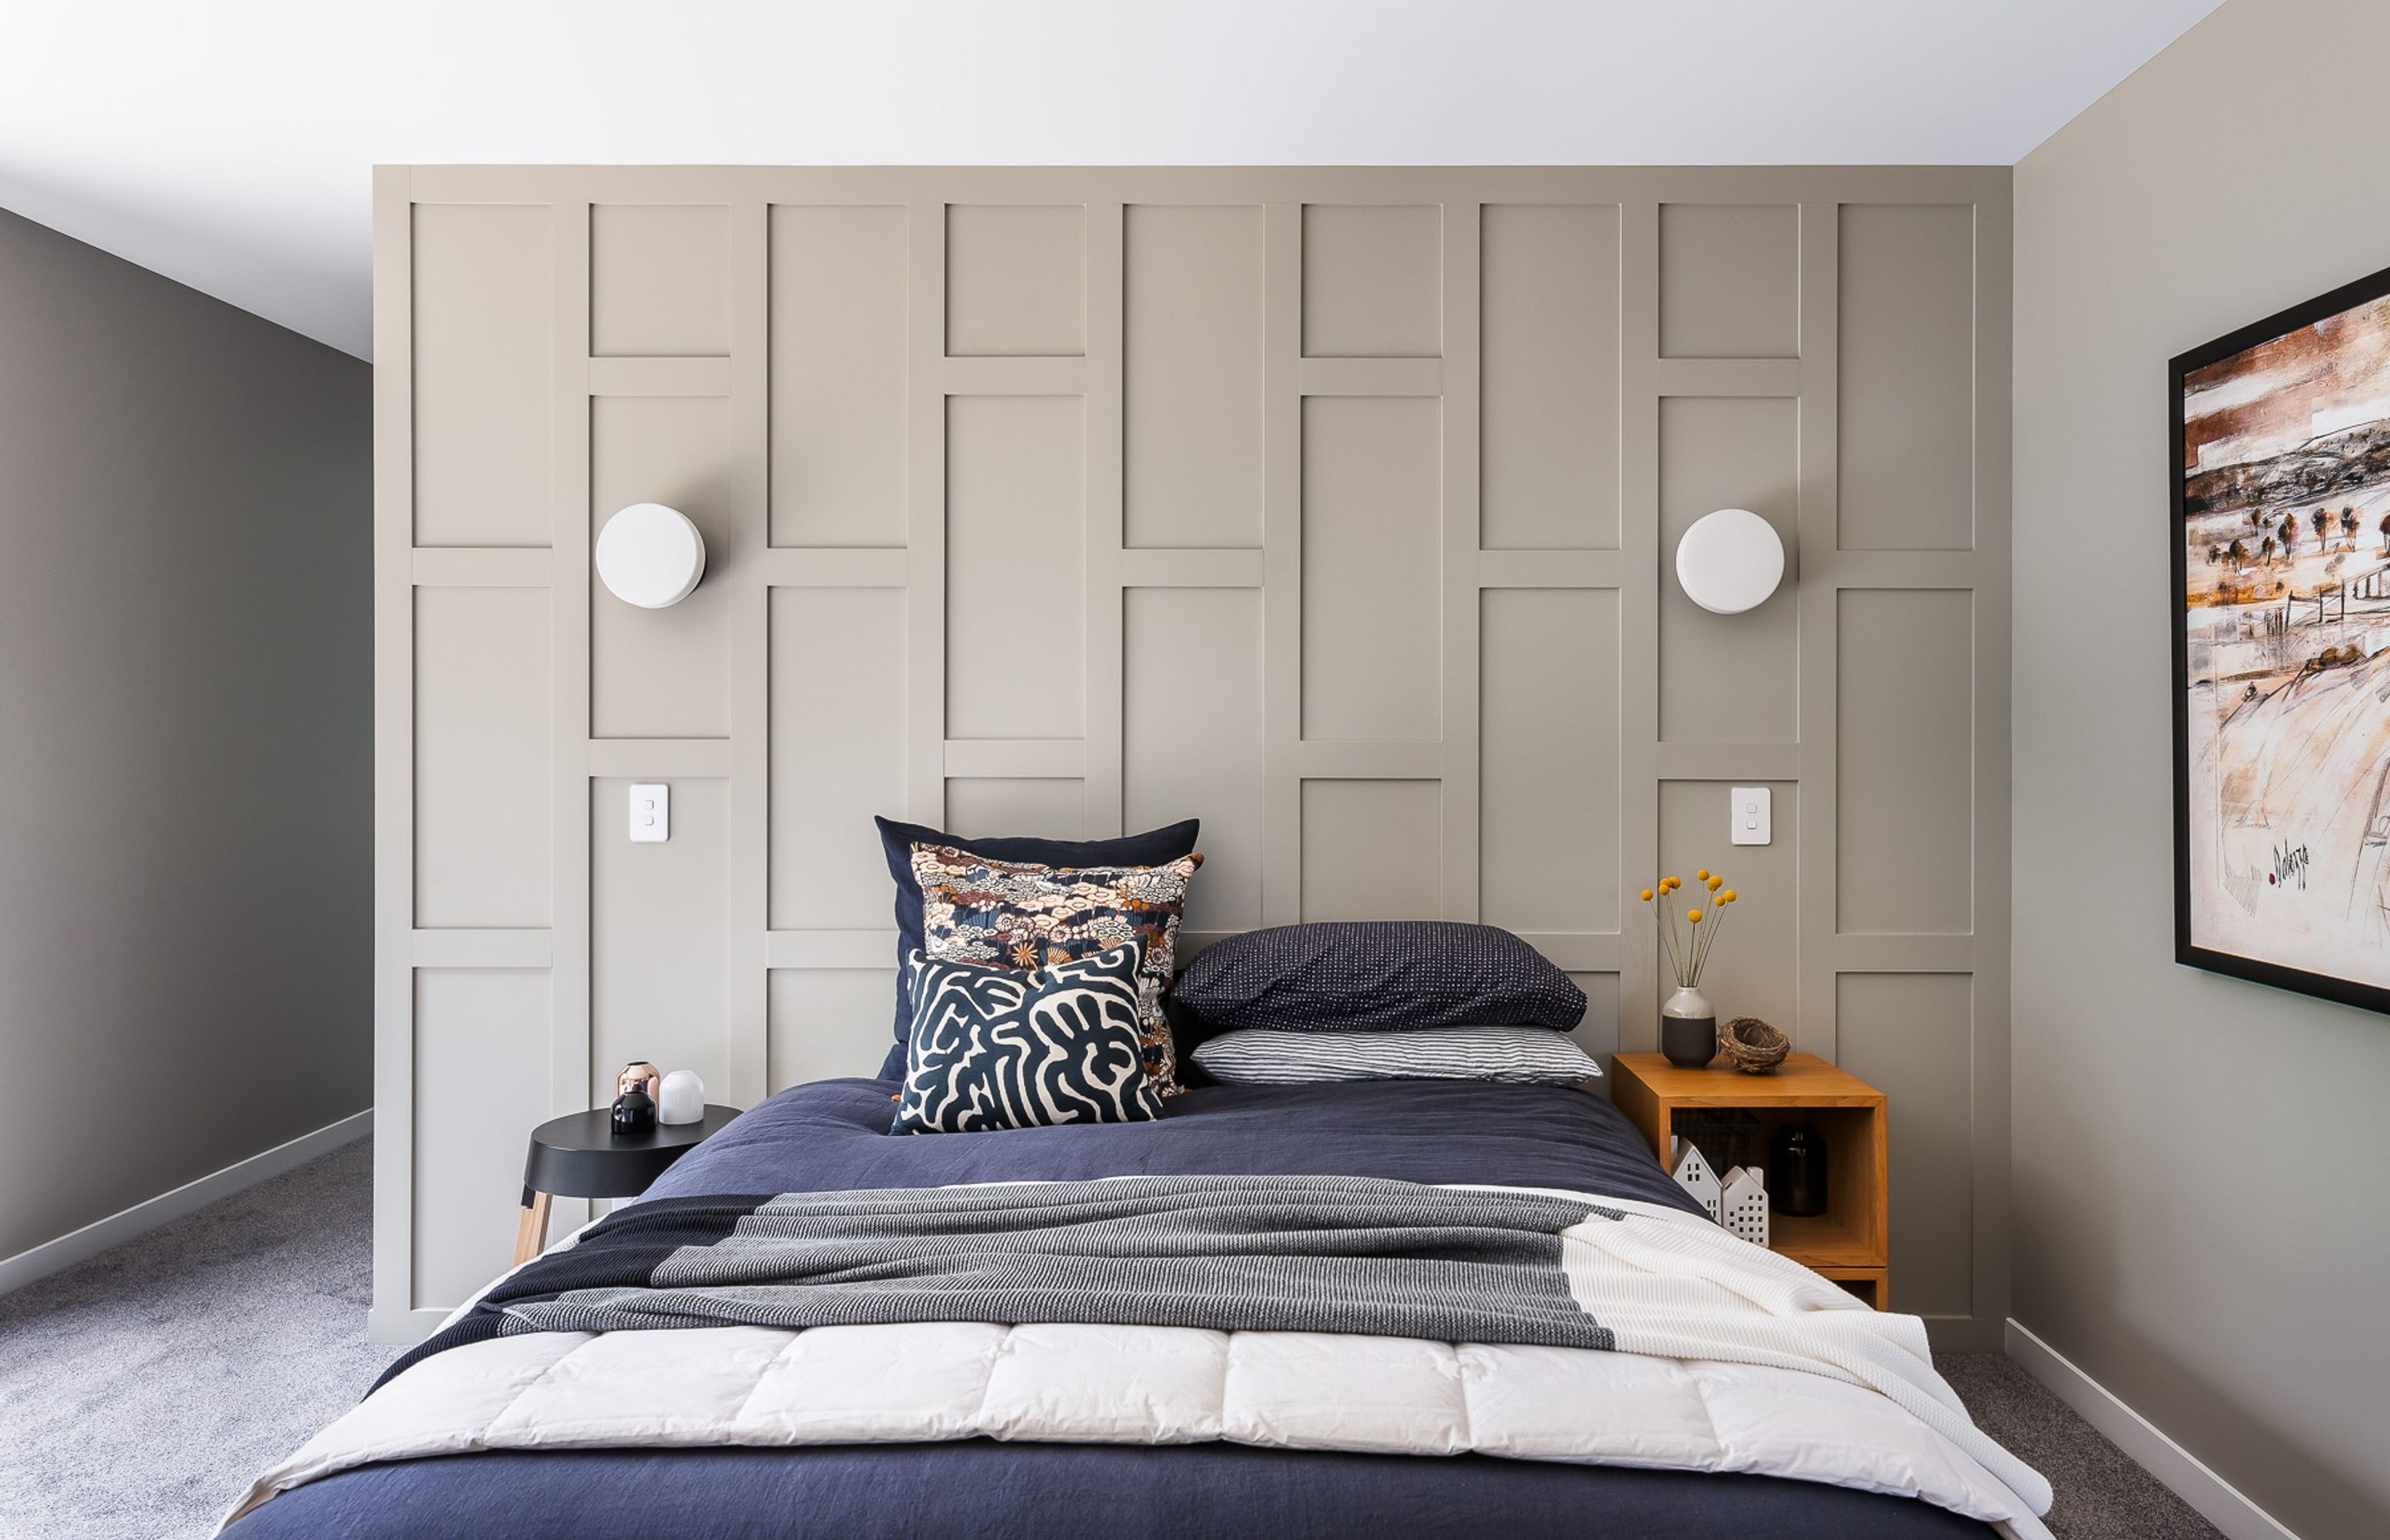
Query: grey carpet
{"type": "Point", "coordinates": [2099, 1492]}
{"type": "Point", "coordinates": [142, 1390]}
{"type": "Point", "coordinates": [145, 1388]}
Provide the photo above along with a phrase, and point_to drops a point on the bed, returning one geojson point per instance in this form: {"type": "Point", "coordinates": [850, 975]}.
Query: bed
{"type": "Point", "coordinates": [831, 1136]}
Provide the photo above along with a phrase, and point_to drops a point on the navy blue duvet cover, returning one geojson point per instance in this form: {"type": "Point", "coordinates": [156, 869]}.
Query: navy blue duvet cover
{"type": "Point", "coordinates": [831, 1135]}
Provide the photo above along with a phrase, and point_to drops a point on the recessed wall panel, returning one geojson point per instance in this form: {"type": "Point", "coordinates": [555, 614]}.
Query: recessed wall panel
{"type": "Point", "coordinates": [1372, 281]}
{"type": "Point", "coordinates": [479, 1086]}
{"type": "Point", "coordinates": [838, 752]}
{"type": "Point", "coordinates": [1548, 761]}
{"type": "Point", "coordinates": [1016, 280]}
{"type": "Point", "coordinates": [659, 936]}
{"type": "Point", "coordinates": [1905, 762]}
{"type": "Point", "coordinates": [1907, 368]}
{"type": "Point", "coordinates": [483, 374]}
{"type": "Point", "coordinates": [1755, 965]}
{"type": "Point", "coordinates": [659, 280]}
{"type": "Point", "coordinates": [1548, 375]}
{"type": "Point", "coordinates": [987, 807]}
{"type": "Point", "coordinates": [1372, 568]}
{"type": "Point", "coordinates": [482, 764]}
{"type": "Point", "coordinates": [1373, 849]}
{"type": "Point", "coordinates": [1191, 736]}
{"type": "Point", "coordinates": [1909, 1035]}
{"type": "Point", "coordinates": [662, 672]}
{"type": "Point", "coordinates": [837, 369]}
{"type": "Point", "coordinates": [1192, 381]}
{"type": "Point", "coordinates": [1730, 280]}
{"type": "Point", "coordinates": [1015, 565]}
{"type": "Point", "coordinates": [1728, 679]}
{"type": "Point", "coordinates": [826, 1023]}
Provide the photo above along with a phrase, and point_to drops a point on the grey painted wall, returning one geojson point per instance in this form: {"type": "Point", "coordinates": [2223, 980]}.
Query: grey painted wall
{"type": "Point", "coordinates": [1331, 505]}
{"type": "Point", "coordinates": [184, 735]}
{"type": "Point", "coordinates": [2198, 1160]}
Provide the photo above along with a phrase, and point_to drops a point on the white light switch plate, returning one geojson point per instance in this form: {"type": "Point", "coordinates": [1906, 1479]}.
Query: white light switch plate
{"type": "Point", "coordinates": [1751, 813]}
{"type": "Point", "coordinates": [650, 813]}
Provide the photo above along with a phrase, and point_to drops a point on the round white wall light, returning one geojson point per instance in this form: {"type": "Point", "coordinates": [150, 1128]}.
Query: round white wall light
{"type": "Point", "coordinates": [1730, 561]}
{"type": "Point", "coordinates": [651, 556]}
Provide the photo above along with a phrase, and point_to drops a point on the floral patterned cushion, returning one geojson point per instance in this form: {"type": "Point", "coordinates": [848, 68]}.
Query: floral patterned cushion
{"type": "Point", "coordinates": [1020, 914]}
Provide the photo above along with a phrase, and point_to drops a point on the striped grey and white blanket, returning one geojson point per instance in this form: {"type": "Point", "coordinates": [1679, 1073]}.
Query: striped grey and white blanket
{"type": "Point", "coordinates": [1523, 1055]}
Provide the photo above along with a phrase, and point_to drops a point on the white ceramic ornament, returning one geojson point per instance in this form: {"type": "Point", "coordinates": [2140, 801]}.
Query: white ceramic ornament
{"type": "Point", "coordinates": [682, 1098]}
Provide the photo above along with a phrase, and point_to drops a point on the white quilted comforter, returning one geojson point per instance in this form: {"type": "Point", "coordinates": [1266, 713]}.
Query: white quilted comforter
{"type": "Point", "coordinates": [1731, 1359]}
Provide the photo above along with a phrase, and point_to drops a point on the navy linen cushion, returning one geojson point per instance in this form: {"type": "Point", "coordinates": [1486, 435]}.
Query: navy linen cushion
{"type": "Point", "coordinates": [1402, 975]}
{"type": "Point", "coordinates": [1000, 1048]}
{"type": "Point", "coordinates": [1153, 848]}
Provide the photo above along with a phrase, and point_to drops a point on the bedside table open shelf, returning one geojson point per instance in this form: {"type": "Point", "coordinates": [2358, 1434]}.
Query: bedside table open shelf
{"type": "Point", "coordinates": [1851, 1242]}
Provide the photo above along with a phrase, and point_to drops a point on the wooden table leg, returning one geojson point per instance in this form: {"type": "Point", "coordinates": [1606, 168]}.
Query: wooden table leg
{"type": "Point", "coordinates": [531, 1230]}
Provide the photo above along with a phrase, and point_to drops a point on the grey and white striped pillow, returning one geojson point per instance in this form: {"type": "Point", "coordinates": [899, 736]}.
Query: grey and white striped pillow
{"type": "Point", "coordinates": [1533, 1056]}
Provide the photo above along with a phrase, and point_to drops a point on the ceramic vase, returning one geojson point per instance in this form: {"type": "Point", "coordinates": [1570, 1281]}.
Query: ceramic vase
{"type": "Point", "coordinates": [1687, 1028]}
{"type": "Point", "coordinates": [682, 1098]}
{"type": "Point", "coordinates": [634, 1112]}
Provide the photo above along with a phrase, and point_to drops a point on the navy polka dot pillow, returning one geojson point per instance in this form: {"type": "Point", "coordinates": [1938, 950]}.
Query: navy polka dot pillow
{"type": "Point", "coordinates": [1374, 976]}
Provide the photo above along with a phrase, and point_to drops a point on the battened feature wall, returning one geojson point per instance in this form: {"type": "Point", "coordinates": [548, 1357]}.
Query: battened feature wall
{"type": "Point", "coordinates": [1334, 506]}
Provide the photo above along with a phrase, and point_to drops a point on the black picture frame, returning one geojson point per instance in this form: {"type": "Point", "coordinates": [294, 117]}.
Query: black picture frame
{"type": "Point", "coordinates": [2188, 951]}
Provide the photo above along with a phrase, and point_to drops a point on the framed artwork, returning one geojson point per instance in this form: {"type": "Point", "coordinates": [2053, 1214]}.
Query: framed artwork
{"type": "Point", "coordinates": [2280, 460]}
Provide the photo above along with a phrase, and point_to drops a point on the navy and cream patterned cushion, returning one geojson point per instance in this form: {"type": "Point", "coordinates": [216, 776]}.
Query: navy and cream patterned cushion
{"type": "Point", "coordinates": [1402, 975]}
{"type": "Point", "coordinates": [1530, 1056]}
{"type": "Point", "coordinates": [897, 840]}
{"type": "Point", "coordinates": [1004, 1048]}
{"type": "Point", "coordinates": [1020, 913]}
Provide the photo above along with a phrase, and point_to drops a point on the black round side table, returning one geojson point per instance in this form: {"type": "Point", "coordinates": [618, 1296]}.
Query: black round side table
{"type": "Point", "coordinates": [579, 1155]}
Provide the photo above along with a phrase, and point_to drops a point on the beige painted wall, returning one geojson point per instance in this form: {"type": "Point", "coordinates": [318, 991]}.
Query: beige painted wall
{"type": "Point", "coordinates": [2193, 1152]}
{"type": "Point", "coordinates": [1332, 506]}
{"type": "Point", "coordinates": [184, 734]}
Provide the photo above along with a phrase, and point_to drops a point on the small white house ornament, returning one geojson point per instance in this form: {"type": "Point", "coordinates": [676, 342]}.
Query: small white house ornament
{"type": "Point", "coordinates": [1693, 1174]}
{"type": "Point", "coordinates": [1743, 1204]}
{"type": "Point", "coordinates": [682, 1098]}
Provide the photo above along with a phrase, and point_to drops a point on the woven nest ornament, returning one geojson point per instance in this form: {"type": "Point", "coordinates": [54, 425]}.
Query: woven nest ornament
{"type": "Point", "coordinates": [1753, 1046]}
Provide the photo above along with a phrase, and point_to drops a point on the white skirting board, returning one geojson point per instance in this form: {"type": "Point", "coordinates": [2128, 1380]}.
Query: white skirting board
{"type": "Point", "coordinates": [54, 1256]}
{"type": "Point", "coordinates": [2177, 1469]}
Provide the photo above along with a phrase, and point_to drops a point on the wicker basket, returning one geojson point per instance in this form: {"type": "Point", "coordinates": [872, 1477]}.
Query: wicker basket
{"type": "Point", "coordinates": [1753, 1046]}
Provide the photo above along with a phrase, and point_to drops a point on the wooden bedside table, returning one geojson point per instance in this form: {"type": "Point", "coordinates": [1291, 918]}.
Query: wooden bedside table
{"type": "Point", "coordinates": [1851, 1242]}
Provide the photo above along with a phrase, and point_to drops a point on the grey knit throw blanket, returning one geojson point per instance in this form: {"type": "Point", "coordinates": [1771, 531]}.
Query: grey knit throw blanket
{"type": "Point", "coordinates": [1228, 1253]}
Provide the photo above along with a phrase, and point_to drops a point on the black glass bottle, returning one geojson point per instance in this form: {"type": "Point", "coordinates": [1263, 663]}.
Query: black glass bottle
{"type": "Point", "coordinates": [634, 1112]}
{"type": "Point", "coordinates": [1796, 1172]}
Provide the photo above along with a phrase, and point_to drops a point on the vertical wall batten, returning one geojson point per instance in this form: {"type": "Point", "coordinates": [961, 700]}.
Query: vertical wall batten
{"type": "Point", "coordinates": [1641, 987]}
{"type": "Point", "coordinates": [1281, 562]}
{"type": "Point", "coordinates": [393, 537]}
{"type": "Point", "coordinates": [1406, 273]}
{"type": "Point", "coordinates": [1989, 1141]}
{"type": "Point", "coordinates": [925, 514]}
{"type": "Point", "coordinates": [750, 641]}
{"type": "Point", "coordinates": [1819, 670]}
{"type": "Point", "coordinates": [569, 1014]}
{"type": "Point", "coordinates": [1463, 427]}
{"type": "Point", "coordinates": [1100, 783]}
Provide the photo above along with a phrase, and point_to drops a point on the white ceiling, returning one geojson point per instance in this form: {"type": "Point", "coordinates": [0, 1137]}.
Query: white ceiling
{"type": "Point", "coordinates": [227, 144]}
